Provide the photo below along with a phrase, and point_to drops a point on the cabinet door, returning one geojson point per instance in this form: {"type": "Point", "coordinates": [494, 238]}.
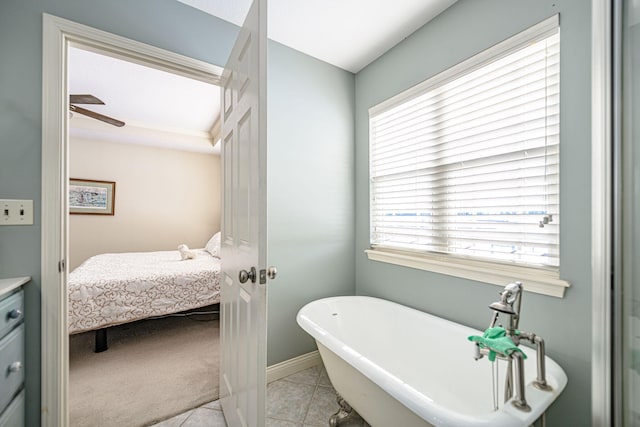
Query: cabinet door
{"type": "Point", "coordinates": [14, 414]}
{"type": "Point", "coordinates": [11, 365]}
{"type": "Point", "coordinates": [11, 312]}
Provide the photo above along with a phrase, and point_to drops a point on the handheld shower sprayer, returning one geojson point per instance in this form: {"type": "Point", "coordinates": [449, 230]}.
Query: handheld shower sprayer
{"type": "Point", "coordinates": [509, 304]}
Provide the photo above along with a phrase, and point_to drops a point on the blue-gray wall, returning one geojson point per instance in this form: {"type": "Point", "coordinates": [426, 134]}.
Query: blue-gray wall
{"type": "Point", "coordinates": [310, 191]}
{"type": "Point", "coordinates": [466, 28]}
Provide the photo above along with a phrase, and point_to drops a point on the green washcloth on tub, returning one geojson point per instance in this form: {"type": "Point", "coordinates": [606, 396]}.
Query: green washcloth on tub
{"type": "Point", "coordinates": [497, 341]}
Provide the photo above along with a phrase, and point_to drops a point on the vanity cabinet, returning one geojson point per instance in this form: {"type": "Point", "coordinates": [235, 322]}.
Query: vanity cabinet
{"type": "Point", "coordinates": [12, 352]}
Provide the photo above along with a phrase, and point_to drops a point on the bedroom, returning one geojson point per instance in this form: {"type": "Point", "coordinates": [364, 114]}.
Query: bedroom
{"type": "Point", "coordinates": [160, 166]}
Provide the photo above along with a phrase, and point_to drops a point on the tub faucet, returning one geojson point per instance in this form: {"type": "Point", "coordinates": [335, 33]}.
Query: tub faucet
{"type": "Point", "coordinates": [509, 304]}
{"type": "Point", "coordinates": [510, 301]}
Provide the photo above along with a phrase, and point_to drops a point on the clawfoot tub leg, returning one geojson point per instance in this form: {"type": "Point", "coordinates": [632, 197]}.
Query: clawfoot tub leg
{"type": "Point", "coordinates": [343, 413]}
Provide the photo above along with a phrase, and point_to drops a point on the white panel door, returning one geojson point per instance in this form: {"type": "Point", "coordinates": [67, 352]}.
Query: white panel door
{"type": "Point", "coordinates": [243, 242]}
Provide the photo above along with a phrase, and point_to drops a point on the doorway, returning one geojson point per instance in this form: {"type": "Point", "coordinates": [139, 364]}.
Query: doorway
{"type": "Point", "coordinates": [60, 34]}
{"type": "Point", "coordinates": [152, 141]}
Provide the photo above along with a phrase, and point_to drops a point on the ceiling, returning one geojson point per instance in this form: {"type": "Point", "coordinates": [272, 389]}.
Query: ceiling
{"type": "Point", "coordinates": [349, 34]}
{"type": "Point", "coordinates": [167, 110]}
{"type": "Point", "coordinates": [159, 108]}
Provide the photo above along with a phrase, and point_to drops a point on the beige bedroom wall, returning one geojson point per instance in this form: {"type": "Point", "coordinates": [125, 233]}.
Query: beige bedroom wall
{"type": "Point", "coordinates": [163, 198]}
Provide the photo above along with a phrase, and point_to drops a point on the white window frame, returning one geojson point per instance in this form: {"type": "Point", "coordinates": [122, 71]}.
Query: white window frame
{"type": "Point", "coordinates": [543, 280]}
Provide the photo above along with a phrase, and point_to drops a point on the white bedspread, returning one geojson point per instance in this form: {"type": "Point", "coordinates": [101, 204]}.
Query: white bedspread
{"type": "Point", "coordinates": [111, 289]}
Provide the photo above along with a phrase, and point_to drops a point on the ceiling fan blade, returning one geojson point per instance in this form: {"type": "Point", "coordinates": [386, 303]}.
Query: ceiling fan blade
{"type": "Point", "coordinates": [95, 115]}
{"type": "Point", "coordinates": [84, 99]}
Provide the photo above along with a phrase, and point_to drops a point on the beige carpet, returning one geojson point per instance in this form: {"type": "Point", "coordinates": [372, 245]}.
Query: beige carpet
{"type": "Point", "coordinates": [154, 369]}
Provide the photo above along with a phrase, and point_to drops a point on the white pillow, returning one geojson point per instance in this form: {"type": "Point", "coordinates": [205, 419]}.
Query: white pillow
{"type": "Point", "coordinates": [213, 245]}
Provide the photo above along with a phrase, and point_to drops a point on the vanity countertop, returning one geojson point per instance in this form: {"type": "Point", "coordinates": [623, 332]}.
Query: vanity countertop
{"type": "Point", "coordinates": [8, 285]}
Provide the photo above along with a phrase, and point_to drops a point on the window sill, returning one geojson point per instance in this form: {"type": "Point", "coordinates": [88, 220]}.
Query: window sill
{"type": "Point", "coordinates": [534, 280]}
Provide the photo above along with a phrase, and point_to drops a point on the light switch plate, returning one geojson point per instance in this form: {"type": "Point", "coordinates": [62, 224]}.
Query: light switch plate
{"type": "Point", "coordinates": [16, 212]}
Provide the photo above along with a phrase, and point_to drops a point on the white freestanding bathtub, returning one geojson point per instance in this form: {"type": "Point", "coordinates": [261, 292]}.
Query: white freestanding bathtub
{"type": "Point", "coordinates": [397, 366]}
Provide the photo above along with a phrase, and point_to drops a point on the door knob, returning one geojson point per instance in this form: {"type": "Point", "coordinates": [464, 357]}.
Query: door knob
{"type": "Point", "coordinates": [272, 272]}
{"type": "Point", "coordinates": [15, 367]}
{"type": "Point", "coordinates": [245, 275]}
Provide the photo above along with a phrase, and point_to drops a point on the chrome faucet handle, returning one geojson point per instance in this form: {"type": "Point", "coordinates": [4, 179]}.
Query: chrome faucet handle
{"type": "Point", "coordinates": [477, 355]}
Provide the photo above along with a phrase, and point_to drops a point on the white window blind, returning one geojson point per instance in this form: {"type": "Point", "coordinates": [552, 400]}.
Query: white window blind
{"type": "Point", "coordinates": [467, 164]}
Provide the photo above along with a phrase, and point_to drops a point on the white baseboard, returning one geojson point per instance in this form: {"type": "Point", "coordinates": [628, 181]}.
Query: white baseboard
{"type": "Point", "coordinates": [291, 366]}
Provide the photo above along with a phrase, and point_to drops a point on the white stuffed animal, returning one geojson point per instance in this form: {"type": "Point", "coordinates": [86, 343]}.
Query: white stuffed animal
{"type": "Point", "coordinates": [185, 252]}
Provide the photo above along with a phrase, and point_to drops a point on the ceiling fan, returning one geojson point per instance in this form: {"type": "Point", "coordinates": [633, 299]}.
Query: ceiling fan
{"type": "Point", "coordinates": [90, 99]}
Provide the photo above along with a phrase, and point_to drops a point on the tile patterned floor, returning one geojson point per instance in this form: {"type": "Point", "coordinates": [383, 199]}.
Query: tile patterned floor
{"type": "Point", "coordinates": [209, 415]}
{"type": "Point", "coordinates": [303, 399]}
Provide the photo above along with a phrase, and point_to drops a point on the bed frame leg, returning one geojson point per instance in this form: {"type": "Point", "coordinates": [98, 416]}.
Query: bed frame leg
{"type": "Point", "coordinates": [101, 340]}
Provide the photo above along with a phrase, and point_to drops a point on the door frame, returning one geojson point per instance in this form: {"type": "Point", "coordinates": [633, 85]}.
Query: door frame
{"type": "Point", "coordinates": [603, 234]}
{"type": "Point", "coordinates": [58, 35]}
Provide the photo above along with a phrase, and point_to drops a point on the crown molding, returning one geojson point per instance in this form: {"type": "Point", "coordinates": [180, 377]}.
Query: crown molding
{"type": "Point", "coordinates": [139, 133]}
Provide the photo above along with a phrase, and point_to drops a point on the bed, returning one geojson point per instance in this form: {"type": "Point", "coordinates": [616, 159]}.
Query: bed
{"type": "Point", "coordinates": [112, 289]}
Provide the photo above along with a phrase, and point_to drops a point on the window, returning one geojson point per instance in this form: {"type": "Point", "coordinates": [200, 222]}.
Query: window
{"type": "Point", "coordinates": [466, 164]}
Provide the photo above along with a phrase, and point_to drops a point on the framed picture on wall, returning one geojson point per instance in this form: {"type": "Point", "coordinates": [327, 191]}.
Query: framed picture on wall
{"type": "Point", "coordinates": [91, 197]}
